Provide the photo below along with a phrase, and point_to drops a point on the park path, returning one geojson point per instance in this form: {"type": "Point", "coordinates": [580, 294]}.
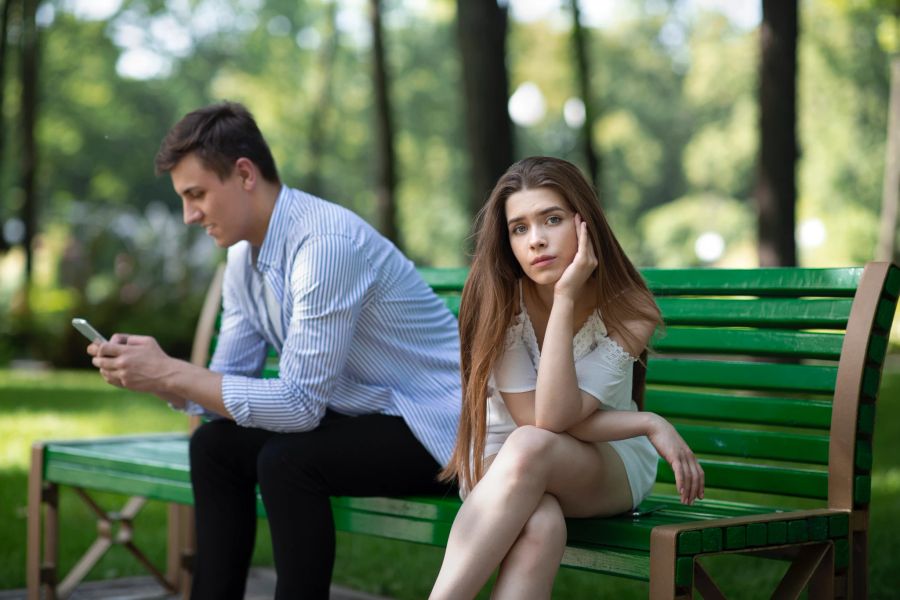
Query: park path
{"type": "Point", "coordinates": [260, 586]}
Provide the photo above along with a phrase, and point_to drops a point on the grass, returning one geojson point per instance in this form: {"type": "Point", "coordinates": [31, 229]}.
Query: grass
{"type": "Point", "coordinates": [70, 404]}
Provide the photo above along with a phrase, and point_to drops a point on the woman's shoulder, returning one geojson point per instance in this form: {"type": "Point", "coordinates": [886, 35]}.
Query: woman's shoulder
{"type": "Point", "coordinates": [633, 336]}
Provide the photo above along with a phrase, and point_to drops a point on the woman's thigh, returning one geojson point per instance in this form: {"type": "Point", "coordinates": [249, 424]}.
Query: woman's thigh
{"type": "Point", "coordinates": [588, 479]}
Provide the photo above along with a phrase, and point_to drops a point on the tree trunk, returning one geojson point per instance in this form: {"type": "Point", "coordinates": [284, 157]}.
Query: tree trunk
{"type": "Point", "coordinates": [4, 31]}
{"type": "Point", "coordinates": [583, 71]}
{"type": "Point", "coordinates": [385, 164]}
{"type": "Point", "coordinates": [327, 56]}
{"type": "Point", "coordinates": [887, 236]}
{"type": "Point", "coordinates": [481, 32]}
{"type": "Point", "coordinates": [29, 148]}
{"type": "Point", "coordinates": [776, 188]}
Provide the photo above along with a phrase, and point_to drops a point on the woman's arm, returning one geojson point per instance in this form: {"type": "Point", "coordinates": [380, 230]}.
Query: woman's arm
{"type": "Point", "coordinates": [610, 425]}
{"type": "Point", "coordinates": [558, 403]}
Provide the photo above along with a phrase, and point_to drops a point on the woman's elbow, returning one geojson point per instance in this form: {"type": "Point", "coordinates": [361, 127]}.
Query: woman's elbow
{"type": "Point", "coordinates": [554, 424]}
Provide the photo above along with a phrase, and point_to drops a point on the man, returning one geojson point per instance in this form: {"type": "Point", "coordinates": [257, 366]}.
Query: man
{"type": "Point", "coordinates": [367, 400]}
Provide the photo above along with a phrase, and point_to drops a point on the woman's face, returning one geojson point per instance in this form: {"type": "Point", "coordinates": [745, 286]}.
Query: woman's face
{"type": "Point", "coordinates": [541, 228]}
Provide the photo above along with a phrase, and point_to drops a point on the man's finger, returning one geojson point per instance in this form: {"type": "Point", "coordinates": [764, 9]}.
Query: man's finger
{"type": "Point", "coordinates": [111, 349]}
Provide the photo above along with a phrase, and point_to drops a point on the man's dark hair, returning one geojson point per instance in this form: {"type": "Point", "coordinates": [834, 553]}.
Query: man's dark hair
{"type": "Point", "coordinates": [218, 134]}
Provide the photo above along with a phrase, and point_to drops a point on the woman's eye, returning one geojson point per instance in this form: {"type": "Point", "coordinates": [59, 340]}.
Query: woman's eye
{"type": "Point", "coordinates": [518, 229]}
{"type": "Point", "coordinates": [554, 220]}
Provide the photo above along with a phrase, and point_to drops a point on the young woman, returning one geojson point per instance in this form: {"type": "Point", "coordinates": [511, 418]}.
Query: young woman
{"type": "Point", "coordinates": [553, 320]}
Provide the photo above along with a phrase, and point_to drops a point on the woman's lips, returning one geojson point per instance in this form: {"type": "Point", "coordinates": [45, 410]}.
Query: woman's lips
{"type": "Point", "coordinates": [542, 261]}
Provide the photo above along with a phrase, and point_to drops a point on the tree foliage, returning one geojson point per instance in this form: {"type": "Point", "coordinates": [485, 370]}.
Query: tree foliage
{"type": "Point", "coordinates": [677, 133]}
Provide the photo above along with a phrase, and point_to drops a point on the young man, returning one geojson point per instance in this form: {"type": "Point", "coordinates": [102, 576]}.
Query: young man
{"type": "Point", "coordinates": [368, 397]}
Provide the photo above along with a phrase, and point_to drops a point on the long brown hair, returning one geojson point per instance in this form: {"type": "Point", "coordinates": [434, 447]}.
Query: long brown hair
{"type": "Point", "coordinates": [488, 302]}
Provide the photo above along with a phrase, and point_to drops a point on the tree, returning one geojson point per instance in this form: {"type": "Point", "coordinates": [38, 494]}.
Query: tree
{"type": "Point", "coordinates": [890, 197]}
{"type": "Point", "coordinates": [887, 232]}
{"type": "Point", "coordinates": [29, 56]}
{"type": "Point", "coordinates": [579, 41]}
{"type": "Point", "coordinates": [385, 161]}
{"type": "Point", "coordinates": [776, 187]}
{"type": "Point", "coordinates": [481, 30]}
{"type": "Point", "coordinates": [326, 69]}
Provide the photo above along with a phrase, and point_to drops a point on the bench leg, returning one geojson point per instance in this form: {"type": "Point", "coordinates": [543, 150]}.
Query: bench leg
{"type": "Point", "coordinates": [813, 567]}
{"type": "Point", "coordinates": [705, 585]}
{"type": "Point", "coordinates": [179, 551]}
{"type": "Point", "coordinates": [859, 563]}
{"type": "Point", "coordinates": [662, 565]}
{"type": "Point", "coordinates": [43, 530]}
{"type": "Point", "coordinates": [106, 539]}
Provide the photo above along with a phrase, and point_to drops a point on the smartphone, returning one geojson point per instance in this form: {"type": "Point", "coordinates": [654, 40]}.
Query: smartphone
{"type": "Point", "coordinates": [87, 330]}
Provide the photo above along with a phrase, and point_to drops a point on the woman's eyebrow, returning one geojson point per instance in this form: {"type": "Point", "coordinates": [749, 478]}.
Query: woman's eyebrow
{"type": "Point", "coordinates": [539, 213]}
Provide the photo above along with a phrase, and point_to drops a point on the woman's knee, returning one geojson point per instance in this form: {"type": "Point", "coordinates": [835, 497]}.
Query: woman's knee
{"type": "Point", "coordinates": [527, 452]}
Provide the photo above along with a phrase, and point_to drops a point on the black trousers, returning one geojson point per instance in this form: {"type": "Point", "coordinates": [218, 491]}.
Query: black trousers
{"type": "Point", "coordinates": [369, 455]}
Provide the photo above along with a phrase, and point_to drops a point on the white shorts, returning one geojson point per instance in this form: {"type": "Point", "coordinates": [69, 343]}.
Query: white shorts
{"type": "Point", "coordinates": [637, 454]}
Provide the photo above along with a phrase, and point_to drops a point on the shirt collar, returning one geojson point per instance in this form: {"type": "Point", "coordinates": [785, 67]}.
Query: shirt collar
{"type": "Point", "coordinates": [272, 250]}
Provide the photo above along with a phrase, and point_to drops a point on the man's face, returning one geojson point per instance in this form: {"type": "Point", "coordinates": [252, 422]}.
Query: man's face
{"type": "Point", "coordinates": [220, 207]}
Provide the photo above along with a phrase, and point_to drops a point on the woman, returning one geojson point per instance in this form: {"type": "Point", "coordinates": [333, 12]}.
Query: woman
{"type": "Point", "coordinates": [552, 320]}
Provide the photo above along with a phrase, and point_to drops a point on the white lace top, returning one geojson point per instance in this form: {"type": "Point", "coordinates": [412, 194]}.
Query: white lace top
{"type": "Point", "coordinates": [602, 366]}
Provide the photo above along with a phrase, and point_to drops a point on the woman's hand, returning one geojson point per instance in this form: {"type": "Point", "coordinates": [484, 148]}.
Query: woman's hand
{"type": "Point", "coordinates": [689, 478]}
{"type": "Point", "coordinates": [584, 263]}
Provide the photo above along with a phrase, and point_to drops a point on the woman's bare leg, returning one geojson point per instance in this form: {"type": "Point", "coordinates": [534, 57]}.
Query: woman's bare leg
{"type": "Point", "coordinates": [586, 479]}
{"type": "Point", "coordinates": [531, 564]}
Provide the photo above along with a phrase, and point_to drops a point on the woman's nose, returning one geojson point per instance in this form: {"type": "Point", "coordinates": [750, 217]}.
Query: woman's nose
{"type": "Point", "coordinates": [537, 239]}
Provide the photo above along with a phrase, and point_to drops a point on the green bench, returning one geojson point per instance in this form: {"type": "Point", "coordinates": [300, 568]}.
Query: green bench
{"type": "Point", "coordinates": [771, 375]}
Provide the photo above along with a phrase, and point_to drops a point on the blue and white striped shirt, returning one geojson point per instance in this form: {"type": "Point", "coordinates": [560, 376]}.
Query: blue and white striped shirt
{"type": "Point", "coordinates": [358, 332]}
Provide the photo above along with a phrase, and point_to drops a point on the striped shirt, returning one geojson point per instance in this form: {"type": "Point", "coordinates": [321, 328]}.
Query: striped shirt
{"type": "Point", "coordinates": [357, 330]}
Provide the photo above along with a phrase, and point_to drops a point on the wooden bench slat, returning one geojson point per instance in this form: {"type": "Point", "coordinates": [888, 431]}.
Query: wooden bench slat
{"type": "Point", "coordinates": [748, 342]}
{"type": "Point", "coordinates": [764, 479]}
{"type": "Point", "coordinates": [742, 375]}
{"type": "Point", "coordinates": [764, 410]}
{"type": "Point", "coordinates": [754, 282]}
{"type": "Point", "coordinates": [743, 443]}
{"type": "Point", "coordinates": [797, 313]}
{"type": "Point", "coordinates": [444, 280]}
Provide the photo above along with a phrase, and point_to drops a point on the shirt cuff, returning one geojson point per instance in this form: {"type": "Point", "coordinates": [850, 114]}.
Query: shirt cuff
{"type": "Point", "coordinates": [236, 398]}
{"type": "Point", "coordinates": [193, 409]}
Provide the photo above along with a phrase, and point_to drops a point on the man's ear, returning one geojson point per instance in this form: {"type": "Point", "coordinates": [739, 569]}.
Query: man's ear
{"type": "Point", "coordinates": [246, 170]}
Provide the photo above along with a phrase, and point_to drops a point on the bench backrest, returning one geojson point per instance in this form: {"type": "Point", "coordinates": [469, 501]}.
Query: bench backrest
{"type": "Point", "coordinates": [771, 375]}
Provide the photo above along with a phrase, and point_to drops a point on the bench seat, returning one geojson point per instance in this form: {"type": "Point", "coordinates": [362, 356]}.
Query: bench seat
{"type": "Point", "coordinates": [156, 467]}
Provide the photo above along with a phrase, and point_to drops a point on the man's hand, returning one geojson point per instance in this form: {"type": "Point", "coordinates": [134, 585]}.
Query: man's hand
{"type": "Point", "coordinates": [135, 362]}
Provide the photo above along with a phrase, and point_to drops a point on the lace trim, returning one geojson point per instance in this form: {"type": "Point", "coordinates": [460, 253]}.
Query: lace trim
{"type": "Point", "coordinates": [615, 354]}
{"type": "Point", "coordinates": [592, 335]}
{"type": "Point", "coordinates": [514, 332]}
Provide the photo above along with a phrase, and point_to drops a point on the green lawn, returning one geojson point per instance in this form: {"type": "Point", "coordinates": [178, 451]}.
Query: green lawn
{"type": "Point", "coordinates": [63, 405]}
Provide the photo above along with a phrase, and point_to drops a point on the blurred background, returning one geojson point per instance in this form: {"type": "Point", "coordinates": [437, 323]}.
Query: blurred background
{"type": "Point", "coordinates": [406, 111]}
{"type": "Point", "coordinates": [719, 133]}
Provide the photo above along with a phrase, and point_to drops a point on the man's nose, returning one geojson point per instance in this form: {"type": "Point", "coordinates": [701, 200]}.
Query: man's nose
{"type": "Point", "coordinates": [191, 214]}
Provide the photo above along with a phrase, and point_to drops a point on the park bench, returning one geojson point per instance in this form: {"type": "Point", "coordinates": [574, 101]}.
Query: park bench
{"type": "Point", "coordinates": [771, 375]}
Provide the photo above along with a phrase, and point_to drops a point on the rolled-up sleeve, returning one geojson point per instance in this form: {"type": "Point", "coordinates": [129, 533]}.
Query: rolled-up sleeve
{"type": "Point", "coordinates": [240, 349]}
{"type": "Point", "coordinates": [330, 278]}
